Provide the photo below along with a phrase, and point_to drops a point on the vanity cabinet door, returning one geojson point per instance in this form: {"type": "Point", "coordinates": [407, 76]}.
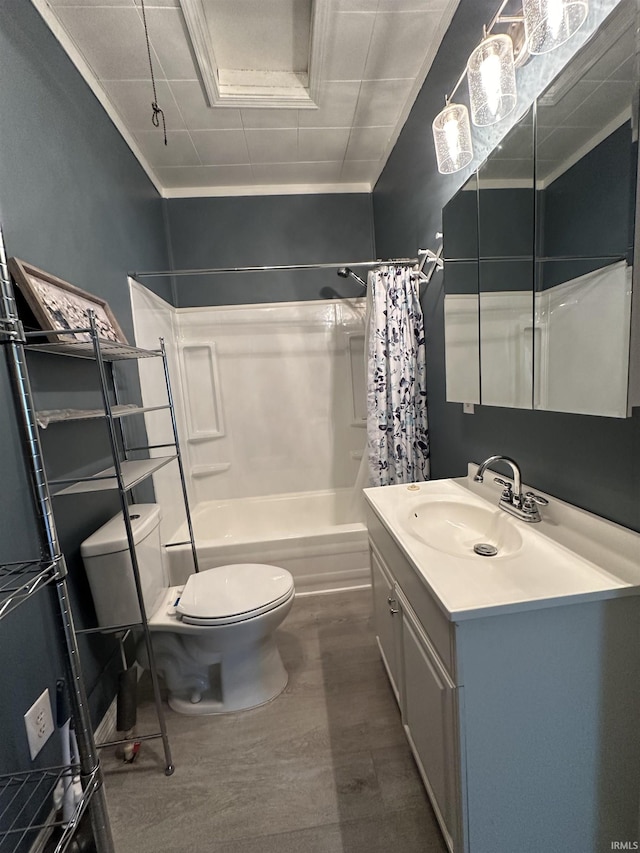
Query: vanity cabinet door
{"type": "Point", "coordinates": [386, 613]}
{"type": "Point", "coordinates": [429, 706]}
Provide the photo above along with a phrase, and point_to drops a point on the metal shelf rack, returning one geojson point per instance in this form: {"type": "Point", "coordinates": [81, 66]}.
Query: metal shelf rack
{"type": "Point", "coordinates": [20, 791]}
{"type": "Point", "coordinates": [19, 581]}
{"type": "Point", "coordinates": [125, 473]}
{"type": "Point", "coordinates": [26, 796]}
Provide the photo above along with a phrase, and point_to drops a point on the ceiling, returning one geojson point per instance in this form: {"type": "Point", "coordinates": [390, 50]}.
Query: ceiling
{"type": "Point", "coordinates": [260, 96]}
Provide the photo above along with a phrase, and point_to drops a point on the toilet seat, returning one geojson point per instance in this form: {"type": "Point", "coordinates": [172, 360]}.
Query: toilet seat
{"type": "Point", "coordinates": [234, 593]}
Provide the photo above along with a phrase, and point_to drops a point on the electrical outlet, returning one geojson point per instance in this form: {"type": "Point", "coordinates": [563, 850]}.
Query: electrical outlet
{"type": "Point", "coordinates": [38, 722]}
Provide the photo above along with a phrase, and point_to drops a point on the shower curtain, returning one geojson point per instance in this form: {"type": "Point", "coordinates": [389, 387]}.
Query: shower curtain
{"type": "Point", "coordinates": [397, 429]}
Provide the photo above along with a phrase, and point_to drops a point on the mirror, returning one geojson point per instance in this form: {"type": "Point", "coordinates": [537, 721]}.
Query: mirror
{"type": "Point", "coordinates": [461, 308]}
{"type": "Point", "coordinates": [506, 211]}
{"type": "Point", "coordinates": [585, 180]}
{"type": "Point", "coordinates": [555, 216]}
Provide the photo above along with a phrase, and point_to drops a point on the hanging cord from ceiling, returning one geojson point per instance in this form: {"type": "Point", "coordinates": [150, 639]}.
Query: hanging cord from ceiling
{"type": "Point", "coordinates": [157, 112]}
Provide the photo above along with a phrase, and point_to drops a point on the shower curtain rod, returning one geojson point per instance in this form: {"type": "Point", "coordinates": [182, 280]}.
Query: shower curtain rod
{"type": "Point", "coordinates": [215, 271]}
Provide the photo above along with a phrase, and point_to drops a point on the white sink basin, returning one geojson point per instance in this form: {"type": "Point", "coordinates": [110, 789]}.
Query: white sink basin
{"type": "Point", "coordinates": [456, 526]}
{"type": "Point", "coordinates": [569, 556]}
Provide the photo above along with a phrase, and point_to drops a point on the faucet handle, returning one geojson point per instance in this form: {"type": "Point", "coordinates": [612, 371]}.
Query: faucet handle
{"type": "Point", "coordinates": [530, 505]}
{"type": "Point", "coordinates": [531, 499]}
{"type": "Point", "coordinates": [507, 493]}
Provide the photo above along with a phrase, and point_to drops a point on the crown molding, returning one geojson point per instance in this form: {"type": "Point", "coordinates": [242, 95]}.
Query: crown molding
{"type": "Point", "coordinates": [265, 189]}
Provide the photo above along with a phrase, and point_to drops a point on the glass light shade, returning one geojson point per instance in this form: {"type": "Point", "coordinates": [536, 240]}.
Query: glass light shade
{"type": "Point", "coordinates": [491, 76]}
{"type": "Point", "coordinates": [452, 137]}
{"type": "Point", "coordinates": [550, 23]}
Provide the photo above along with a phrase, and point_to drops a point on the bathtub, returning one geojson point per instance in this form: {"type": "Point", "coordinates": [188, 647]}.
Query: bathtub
{"type": "Point", "coordinates": [307, 533]}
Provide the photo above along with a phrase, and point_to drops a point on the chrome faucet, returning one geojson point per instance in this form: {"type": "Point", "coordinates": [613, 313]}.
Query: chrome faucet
{"type": "Point", "coordinates": [524, 507]}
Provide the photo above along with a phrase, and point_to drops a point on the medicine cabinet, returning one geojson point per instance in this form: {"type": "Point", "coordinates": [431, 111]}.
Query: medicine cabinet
{"type": "Point", "coordinates": [539, 246]}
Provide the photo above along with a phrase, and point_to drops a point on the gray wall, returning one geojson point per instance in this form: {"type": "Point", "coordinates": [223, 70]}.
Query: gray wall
{"type": "Point", "coordinates": [74, 201]}
{"type": "Point", "coordinates": [267, 231]}
{"type": "Point", "coordinates": [589, 461]}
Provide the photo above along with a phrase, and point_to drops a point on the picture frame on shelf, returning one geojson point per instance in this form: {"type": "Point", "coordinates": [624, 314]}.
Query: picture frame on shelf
{"type": "Point", "coordinates": [60, 308]}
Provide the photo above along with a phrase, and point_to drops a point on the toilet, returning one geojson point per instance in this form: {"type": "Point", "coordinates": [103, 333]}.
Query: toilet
{"type": "Point", "coordinates": [213, 638]}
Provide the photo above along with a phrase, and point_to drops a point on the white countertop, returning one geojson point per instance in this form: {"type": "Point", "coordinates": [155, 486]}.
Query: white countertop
{"type": "Point", "coordinates": [568, 557]}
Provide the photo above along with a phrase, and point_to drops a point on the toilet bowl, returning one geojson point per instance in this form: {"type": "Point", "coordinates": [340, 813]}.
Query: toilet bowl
{"type": "Point", "coordinates": [213, 638]}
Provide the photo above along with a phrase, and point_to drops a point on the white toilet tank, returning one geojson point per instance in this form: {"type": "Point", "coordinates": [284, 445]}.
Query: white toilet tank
{"type": "Point", "coordinates": [108, 565]}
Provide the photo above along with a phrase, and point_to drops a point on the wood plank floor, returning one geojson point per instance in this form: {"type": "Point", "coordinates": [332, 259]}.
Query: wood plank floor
{"type": "Point", "coordinates": [324, 768]}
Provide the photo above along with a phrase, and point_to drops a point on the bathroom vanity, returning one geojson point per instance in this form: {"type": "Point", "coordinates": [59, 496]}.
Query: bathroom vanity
{"type": "Point", "coordinates": [517, 675]}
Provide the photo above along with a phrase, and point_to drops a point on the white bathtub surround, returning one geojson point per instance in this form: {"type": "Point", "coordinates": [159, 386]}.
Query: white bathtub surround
{"type": "Point", "coordinates": [271, 414]}
{"type": "Point", "coordinates": [506, 348]}
{"type": "Point", "coordinates": [549, 363]}
{"type": "Point", "coordinates": [154, 318]}
{"type": "Point", "coordinates": [286, 381]}
{"type": "Point", "coordinates": [311, 534]}
{"type": "Point", "coordinates": [573, 375]}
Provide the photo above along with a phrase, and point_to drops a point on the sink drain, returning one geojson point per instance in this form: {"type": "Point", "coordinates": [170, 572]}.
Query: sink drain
{"type": "Point", "coordinates": [485, 550]}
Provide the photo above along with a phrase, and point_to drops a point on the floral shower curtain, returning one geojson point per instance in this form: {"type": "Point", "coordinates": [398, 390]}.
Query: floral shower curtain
{"type": "Point", "coordinates": [397, 429]}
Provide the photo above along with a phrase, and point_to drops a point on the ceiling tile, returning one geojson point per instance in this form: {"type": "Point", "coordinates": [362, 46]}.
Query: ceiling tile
{"type": "Point", "coordinates": [550, 107]}
{"type": "Point", "coordinates": [397, 44]}
{"type": "Point", "coordinates": [359, 171]}
{"type": "Point", "coordinates": [347, 45]}
{"type": "Point", "coordinates": [615, 56]}
{"type": "Point", "coordinates": [179, 150]}
{"type": "Point", "coordinates": [220, 147]}
{"type": "Point", "coordinates": [380, 102]}
{"type": "Point", "coordinates": [132, 100]}
{"type": "Point", "coordinates": [168, 34]}
{"type": "Point", "coordinates": [322, 143]}
{"type": "Point", "coordinates": [111, 39]}
{"type": "Point", "coordinates": [198, 115]}
{"type": "Point", "coordinates": [413, 5]}
{"type": "Point", "coordinates": [337, 106]}
{"type": "Point", "coordinates": [563, 143]}
{"type": "Point", "coordinates": [355, 5]}
{"type": "Point", "coordinates": [207, 176]}
{"type": "Point", "coordinates": [148, 4]}
{"type": "Point", "coordinates": [368, 143]}
{"type": "Point", "coordinates": [58, 3]}
{"type": "Point", "coordinates": [256, 118]}
{"type": "Point", "coordinates": [609, 100]}
{"type": "Point", "coordinates": [272, 146]}
{"type": "Point", "coordinates": [297, 173]}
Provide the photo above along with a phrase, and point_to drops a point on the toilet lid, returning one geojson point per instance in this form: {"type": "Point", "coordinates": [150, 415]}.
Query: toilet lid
{"type": "Point", "coordinates": [239, 591]}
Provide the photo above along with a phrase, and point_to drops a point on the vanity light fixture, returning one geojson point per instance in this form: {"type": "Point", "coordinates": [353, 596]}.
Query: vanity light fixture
{"type": "Point", "coordinates": [452, 137]}
{"type": "Point", "coordinates": [550, 23]}
{"type": "Point", "coordinates": [491, 75]}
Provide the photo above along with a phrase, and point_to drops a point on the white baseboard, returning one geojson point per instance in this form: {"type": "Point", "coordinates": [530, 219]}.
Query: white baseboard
{"type": "Point", "coordinates": [307, 593]}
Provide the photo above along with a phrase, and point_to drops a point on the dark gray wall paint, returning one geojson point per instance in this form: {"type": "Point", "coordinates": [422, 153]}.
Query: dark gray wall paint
{"type": "Point", "coordinates": [592, 462]}
{"type": "Point", "coordinates": [74, 201]}
{"type": "Point", "coordinates": [267, 231]}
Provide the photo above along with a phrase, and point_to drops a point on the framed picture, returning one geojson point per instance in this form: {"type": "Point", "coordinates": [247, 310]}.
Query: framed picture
{"type": "Point", "coordinates": [58, 305]}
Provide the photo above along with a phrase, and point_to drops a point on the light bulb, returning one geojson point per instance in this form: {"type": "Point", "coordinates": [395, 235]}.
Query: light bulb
{"type": "Point", "coordinates": [491, 76]}
{"type": "Point", "coordinates": [451, 132]}
{"type": "Point", "coordinates": [554, 16]}
{"type": "Point", "coordinates": [452, 138]}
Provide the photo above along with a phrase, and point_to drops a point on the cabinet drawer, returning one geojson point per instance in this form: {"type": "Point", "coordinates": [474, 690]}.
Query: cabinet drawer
{"type": "Point", "coordinates": [434, 622]}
